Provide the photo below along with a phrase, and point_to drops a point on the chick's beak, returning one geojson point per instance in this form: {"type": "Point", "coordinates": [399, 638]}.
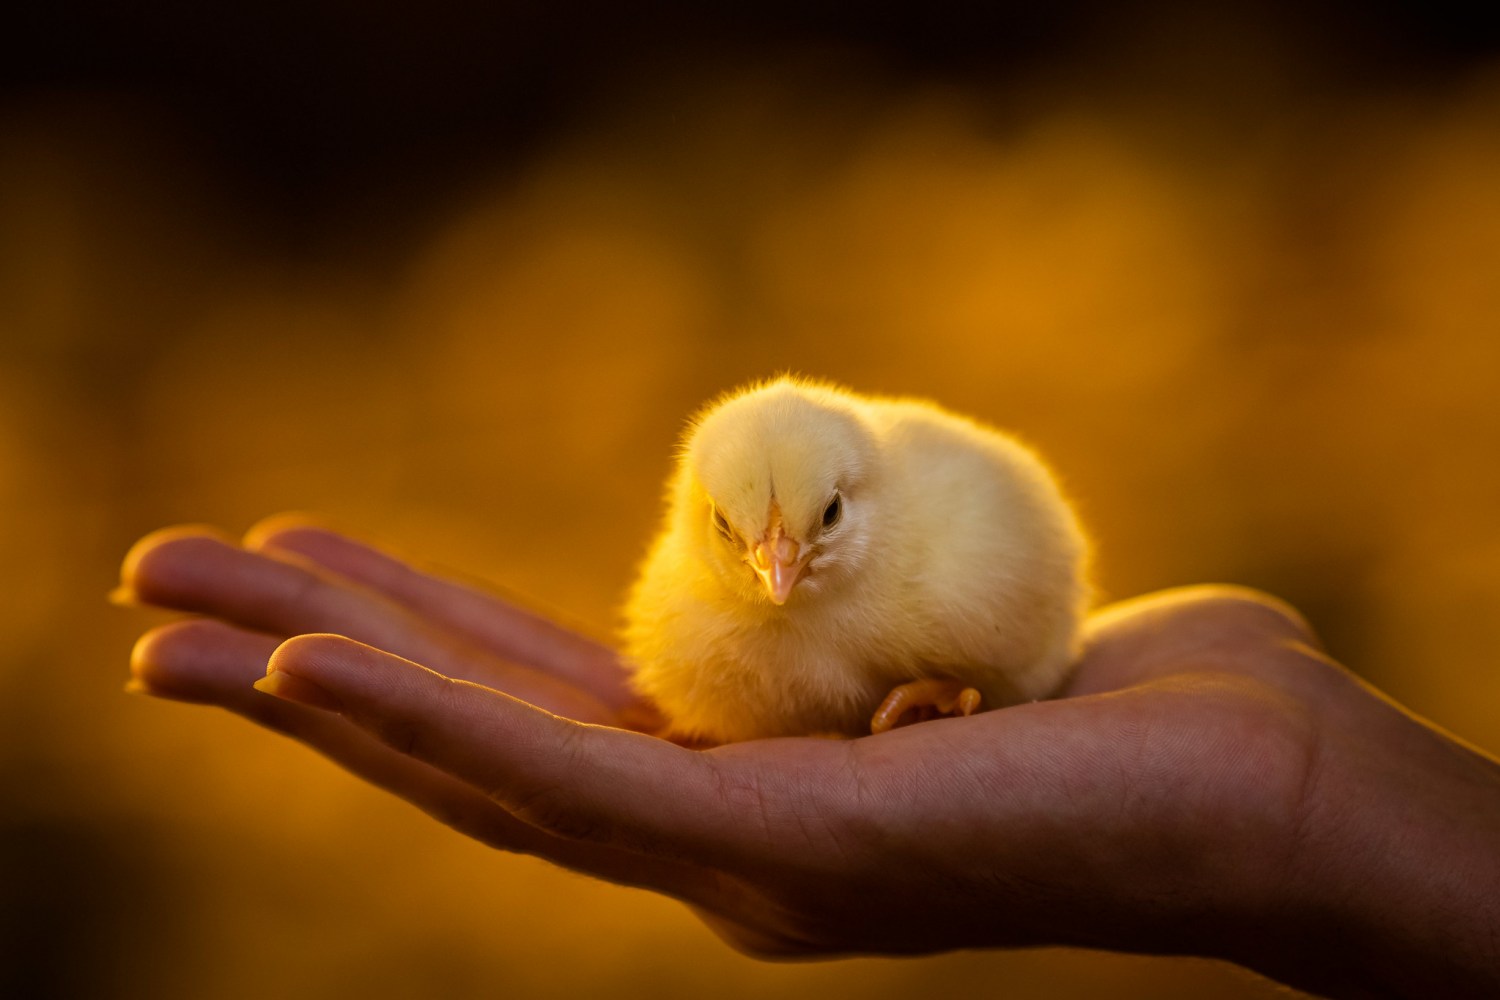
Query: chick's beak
{"type": "Point", "coordinates": [779, 563]}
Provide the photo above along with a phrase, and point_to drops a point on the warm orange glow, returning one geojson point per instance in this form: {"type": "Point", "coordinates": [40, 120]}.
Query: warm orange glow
{"type": "Point", "coordinates": [1275, 364]}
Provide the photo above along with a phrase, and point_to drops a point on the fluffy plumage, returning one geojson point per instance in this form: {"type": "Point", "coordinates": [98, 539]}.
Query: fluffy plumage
{"type": "Point", "coordinates": [822, 548]}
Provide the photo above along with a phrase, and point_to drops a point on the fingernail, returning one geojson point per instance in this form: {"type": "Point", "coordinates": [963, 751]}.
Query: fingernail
{"type": "Point", "coordinates": [123, 596]}
{"type": "Point", "coordinates": [289, 687]}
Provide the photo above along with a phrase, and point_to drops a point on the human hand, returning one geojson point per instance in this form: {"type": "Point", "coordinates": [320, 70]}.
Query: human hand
{"type": "Point", "coordinates": [1210, 783]}
{"type": "Point", "coordinates": [289, 577]}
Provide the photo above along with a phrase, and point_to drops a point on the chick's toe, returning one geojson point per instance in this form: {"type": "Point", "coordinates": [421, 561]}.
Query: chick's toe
{"type": "Point", "coordinates": [927, 698]}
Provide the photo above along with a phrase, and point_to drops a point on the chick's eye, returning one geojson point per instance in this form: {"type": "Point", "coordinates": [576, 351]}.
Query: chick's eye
{"type": "Point", "coordinates": [833, 512]}
{"type": "Point", "coordinates": [721, 523]}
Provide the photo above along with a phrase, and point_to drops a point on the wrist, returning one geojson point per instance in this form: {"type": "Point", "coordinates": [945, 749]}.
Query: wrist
{"type": "Point", "coordinates": [1393, 884]}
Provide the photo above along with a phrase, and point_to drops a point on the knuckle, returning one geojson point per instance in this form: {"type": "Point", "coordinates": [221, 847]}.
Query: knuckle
{"type": "Point", "coordinates": [1232, 605]}
{"type": "Point", "coordinates": [402, 728]}
{"type": "Point", "coordinates": [556, 811]}
{"type": "Point", "coordinates": [399, 733]}
{"type": "Point", "coordinates": [298, 597]}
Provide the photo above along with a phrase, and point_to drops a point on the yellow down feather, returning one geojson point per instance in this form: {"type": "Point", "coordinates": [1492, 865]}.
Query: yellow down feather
{"type": "Point", "coordinates": [952, 553]}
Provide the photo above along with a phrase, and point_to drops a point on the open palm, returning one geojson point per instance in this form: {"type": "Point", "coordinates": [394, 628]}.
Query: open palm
{"type": "Point", "coordinates": [1162, 804]}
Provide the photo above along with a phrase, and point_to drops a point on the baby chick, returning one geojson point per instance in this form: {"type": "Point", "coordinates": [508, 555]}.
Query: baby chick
{"type": "Point", "coordinates": [831, 562]}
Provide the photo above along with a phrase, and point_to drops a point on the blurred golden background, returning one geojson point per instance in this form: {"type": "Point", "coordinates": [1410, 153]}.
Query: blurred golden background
{"type": "Point", "coordinates": [452, 274]}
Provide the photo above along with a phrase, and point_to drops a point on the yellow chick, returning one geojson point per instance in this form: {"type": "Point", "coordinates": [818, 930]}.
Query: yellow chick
{"type": "Point", "coordinates": [832, 564]}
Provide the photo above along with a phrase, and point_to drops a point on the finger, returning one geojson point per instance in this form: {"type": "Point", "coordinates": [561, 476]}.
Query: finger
{"type": "Point", "coordinates": [491, 622]}
{"type": "Point", "coordinates": [1188, 628]}
{"type": "Point", "coordinates": [208, 662]}
{"type": "Point", "coordinates": [191, 570]}
{"type": "Point", "coordinates": [125, 594]}
{"type": "Point", "coordinates": [589, 783]}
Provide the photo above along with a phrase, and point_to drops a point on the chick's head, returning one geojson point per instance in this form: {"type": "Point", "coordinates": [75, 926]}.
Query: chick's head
{"type": "Point", "coordinates": [782, 484]}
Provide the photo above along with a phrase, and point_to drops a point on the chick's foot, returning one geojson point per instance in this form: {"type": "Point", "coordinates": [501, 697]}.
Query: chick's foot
{"type": "Point", "coordinates": [929, 698]}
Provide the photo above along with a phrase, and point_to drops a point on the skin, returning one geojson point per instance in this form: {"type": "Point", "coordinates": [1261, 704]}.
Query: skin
{"type": "Point", "coordinates": [1210, 784]}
